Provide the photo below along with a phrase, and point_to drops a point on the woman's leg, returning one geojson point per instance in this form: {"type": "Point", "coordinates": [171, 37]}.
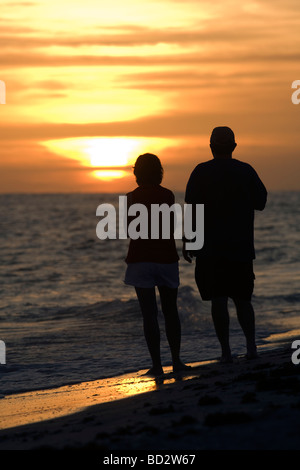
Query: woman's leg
{"type": "Point", "coordinates": [168, 298]}
{"type": "Point", "coordinates": [148, 305]}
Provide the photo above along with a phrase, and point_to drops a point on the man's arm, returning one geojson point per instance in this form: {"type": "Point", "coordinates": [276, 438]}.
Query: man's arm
{"type": "Point", "coordinates": [191, 188]}
{"type": "Point", "coordinates": [189, 199]}
{"type": "Point", "coordinates": [259, 192]}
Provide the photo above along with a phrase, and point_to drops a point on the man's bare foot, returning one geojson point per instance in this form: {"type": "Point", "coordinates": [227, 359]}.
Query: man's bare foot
{"type": "Point", "coordinates": [155, 371]}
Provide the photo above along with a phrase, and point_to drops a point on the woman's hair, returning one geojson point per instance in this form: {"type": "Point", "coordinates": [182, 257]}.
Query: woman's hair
{"type": "Point", "coordinates": [148, 169]}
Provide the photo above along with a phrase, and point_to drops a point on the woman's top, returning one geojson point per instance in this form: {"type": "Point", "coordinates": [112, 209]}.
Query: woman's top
{"type": "Point", "coordinates": [152, 250]}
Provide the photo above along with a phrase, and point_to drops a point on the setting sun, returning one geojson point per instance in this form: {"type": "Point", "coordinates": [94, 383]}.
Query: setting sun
{"type": "Point", "coordinates": [111, 152]}
{"type": "Point", "coordinates": [108, 158]}
{"type": "Point", "coordinates": [109, 175]}
{"type": "Point", "coordinates": [96, 152]}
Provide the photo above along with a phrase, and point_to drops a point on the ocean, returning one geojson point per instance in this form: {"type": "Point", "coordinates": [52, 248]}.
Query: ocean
{"type": "Point", "coordinates": [66, 315]}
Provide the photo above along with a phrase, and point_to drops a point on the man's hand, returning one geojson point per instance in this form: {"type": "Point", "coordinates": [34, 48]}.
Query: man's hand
{"type": "Point", "coordinates": [186, 254]}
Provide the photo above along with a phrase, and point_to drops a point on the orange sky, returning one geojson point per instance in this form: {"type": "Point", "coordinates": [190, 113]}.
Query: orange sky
{"type": "Point", "coordinates": [92, 84]}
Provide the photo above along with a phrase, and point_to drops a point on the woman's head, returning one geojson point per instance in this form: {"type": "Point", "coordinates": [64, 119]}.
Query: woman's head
{"type": "Point", "coordinates": [148, 169]}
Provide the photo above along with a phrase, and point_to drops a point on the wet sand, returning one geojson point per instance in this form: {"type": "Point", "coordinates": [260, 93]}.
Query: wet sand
{"type": "Point", "coordinates": [41, 405]}
{"type": "Point", "coordinates": [244, 405]}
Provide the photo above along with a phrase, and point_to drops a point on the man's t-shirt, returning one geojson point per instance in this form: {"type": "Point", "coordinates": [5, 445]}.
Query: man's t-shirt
{"type": "Point", "coordinates": [230, 191]}
{"type": "Point", "coordinates": [151, 250]}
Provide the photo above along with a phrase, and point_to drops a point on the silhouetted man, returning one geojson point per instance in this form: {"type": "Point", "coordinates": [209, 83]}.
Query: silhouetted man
{"type": "Point", "coordinates": [230, 191]}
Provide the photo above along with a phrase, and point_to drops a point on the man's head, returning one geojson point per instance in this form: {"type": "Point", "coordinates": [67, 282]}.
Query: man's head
{"type": "Point", "coordinates": [222, 142]}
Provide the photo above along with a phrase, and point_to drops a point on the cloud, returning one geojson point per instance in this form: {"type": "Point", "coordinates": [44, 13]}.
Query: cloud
{"type": "Point", "coordinates": [42, 60]}
{"type": "Point", "coordinates": [50, 85]}
{"type": "Point", "coordinates": [170, 125]}
{"type": "Point", "coordinates": [137, 37]}
{"type": "Point", "coordinates": [161, 126]}
{"type": "Point", "coordinates": [18, 4]}
{"type": "Point", "coordinates": [235, 30]}
{"type": "Point", "coordinates": [192, 80]}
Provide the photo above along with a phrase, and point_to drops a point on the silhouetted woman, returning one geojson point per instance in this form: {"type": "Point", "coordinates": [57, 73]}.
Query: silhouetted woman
{"type": "Point", "coordinates": [154, 262]}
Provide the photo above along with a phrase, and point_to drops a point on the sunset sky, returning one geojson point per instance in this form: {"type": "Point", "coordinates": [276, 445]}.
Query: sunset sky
{"type": "Point", "coordinates": [92, 84]}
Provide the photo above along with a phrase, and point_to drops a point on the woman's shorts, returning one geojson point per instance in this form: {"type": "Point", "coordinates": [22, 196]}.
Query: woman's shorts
{"type": "Point", "coordinates": [221, 277]}
{"type": "Point", "coordinates": [152, 274]}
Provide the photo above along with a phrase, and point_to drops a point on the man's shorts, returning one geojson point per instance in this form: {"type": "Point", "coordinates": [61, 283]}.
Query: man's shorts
{"type": "Point", "coordinates": [221, 277]}
{"type": "Point", "coordinates": [148, 274]}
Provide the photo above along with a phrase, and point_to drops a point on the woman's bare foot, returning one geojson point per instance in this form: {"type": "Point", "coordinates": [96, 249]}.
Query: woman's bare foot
{"type": "Point", "coordinates": [179, 366]}
{"type": "Point", "coordinates": [155, 371]}
{"type": "Point", "coordinates": [226, 359]}
{"type": "Point", "coordinates": [251, 351]}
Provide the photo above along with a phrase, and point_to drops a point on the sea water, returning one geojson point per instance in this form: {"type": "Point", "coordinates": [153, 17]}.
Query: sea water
{"type": "Point", "coordinates": [66, 315]}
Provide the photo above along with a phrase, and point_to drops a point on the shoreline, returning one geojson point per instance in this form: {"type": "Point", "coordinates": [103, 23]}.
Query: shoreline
{"type": "Point", "coordinates": [244, 405]}
{"type": "Point", "coordinates": [28, 407]}
{"type": "Point", "coordinates": [273, 341]}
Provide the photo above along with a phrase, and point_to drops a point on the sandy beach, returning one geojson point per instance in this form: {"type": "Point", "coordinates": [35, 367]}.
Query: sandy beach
{"type": "Point", "coordinates": [249, 404]}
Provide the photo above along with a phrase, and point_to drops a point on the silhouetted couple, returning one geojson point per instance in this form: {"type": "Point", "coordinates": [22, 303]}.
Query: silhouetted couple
{"type": "Point", "coordinates": [230, 191]}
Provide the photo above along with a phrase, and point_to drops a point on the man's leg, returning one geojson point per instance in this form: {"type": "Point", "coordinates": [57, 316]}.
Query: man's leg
{"type": "Point", "coordinates": [246, 317]}
{"type": "Point", "coordinates": [147, 301]}
{"type": "Point", "coordinates": [220, 317]}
